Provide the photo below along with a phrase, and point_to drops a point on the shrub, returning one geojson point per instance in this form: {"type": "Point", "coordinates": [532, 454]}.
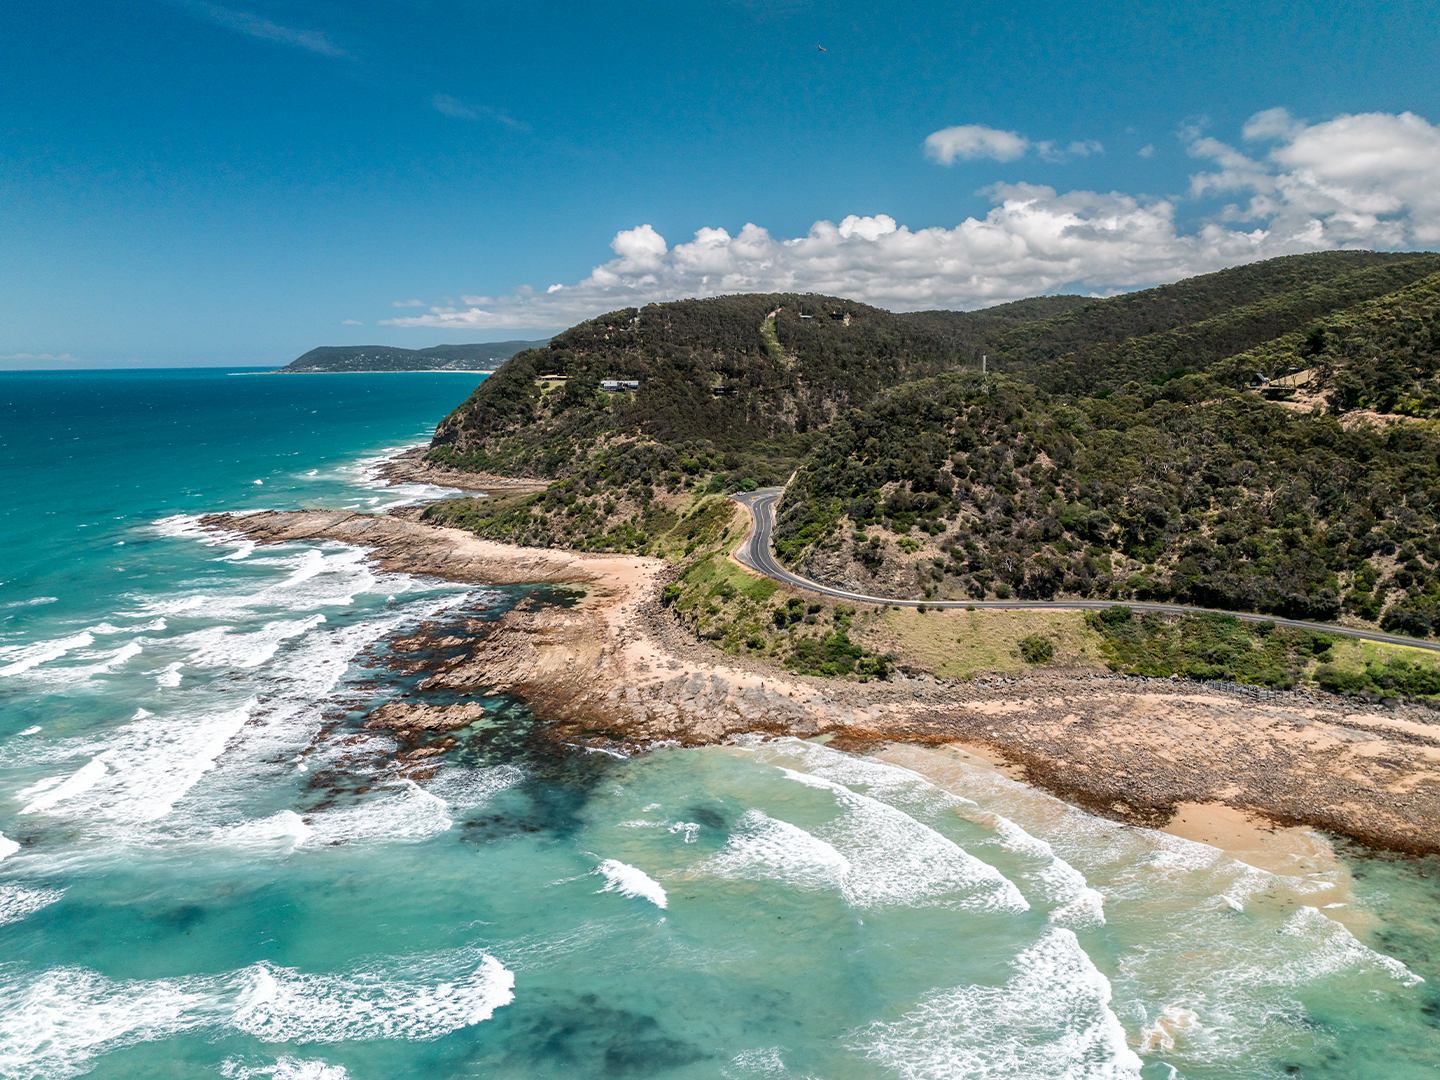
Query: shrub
{"type": "Point", "coordinates": [1037, 649]}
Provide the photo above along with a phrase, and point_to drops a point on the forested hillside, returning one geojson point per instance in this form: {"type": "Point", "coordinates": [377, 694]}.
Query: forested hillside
{"type": "Point", "coordinates": [962, 486]}
{"type": "Point", "coordinates": [1117, 449]}
{"type": "Point", "coordinates": [1382, 356]}
{"type": "Point", "coordinates": [744, 381]}
{"type": "Point", "coordinates": [1193, 324]}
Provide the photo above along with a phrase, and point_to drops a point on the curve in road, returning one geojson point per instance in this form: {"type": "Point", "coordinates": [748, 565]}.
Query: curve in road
{"type": "Point", "coordinates": [757, 554]}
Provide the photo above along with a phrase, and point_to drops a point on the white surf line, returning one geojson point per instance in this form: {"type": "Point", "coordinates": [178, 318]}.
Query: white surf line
{"type": "Point", "coordinates": [895, 859]}
{"type": "Point", "coordinates": [1072, 900]}
{"type": "Point", "coordinates": [55, 1023]}
{"type": "Point", "coordinates": [632, 882]}
{"type": "Point", "coordinates": [43, 652]}
{"type": "Point", "coordinates": [983, 1032]}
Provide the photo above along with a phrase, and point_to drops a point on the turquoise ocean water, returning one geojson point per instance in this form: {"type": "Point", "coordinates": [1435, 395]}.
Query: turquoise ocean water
{"type": "Point", "coordinates": [207, 868]}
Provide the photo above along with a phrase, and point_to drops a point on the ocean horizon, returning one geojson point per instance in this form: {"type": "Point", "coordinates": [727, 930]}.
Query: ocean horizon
{"type": "Point", "coordinates": [210, 867]}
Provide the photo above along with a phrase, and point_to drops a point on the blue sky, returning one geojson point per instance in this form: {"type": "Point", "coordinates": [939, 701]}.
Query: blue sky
{"type": "Point", "coordinates": [194, 182]}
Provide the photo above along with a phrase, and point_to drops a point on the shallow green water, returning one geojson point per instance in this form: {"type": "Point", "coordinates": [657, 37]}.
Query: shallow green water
{"type": "Point", "coordinates": [201, 878]}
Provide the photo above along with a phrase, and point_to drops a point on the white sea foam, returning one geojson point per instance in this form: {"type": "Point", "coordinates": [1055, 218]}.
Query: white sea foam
{"type": "Point", "coordinates": [330, 575]}
{"type": "Point", "coordinates": [34, 601]}
{"type": "Point", "coordinates": [284, 1005]}
{"type": "Point", "coordinates": [1051, 1019]}
{"type": "Point", "coordinates": [16, 901]}
{"type": "Point", "coordinates": [466, 788]}
{"type": "Point", "coordinates": [8, 847]}
{"type": "Point", "coordinates": [768, 1062]}
{"type": "Point", "coordinates": [119, 656]}
{"type": "Point", "coordinates": [33, 729]}
{"type": "Point", "coordinates": [896, 860]}
{"type": "Point", "coordinates": [764, 848]}
{"type": "Point", "coordinates": [284, 1068]}
{"type": "Point", "coordinates": [1064, 888]}
{"type": "Point", "coordinates": [24, 657]}
{"type": "Point", "coordinates": [53, 1024]}
{"type": "Point", "coordinates": [243, 550]}
{"type": "Point", "coordinates": [57, 789]}
{"type": "Point", "coordinates": [406, 814]}
{"type": "Point", "coordinates": [1075, 902]}
{"type": "Point", "coordinates": [152, 762]}
{"type": "Point", "coordinates": [153, 626]}
{"type": "Point", "coordinates": [629, 881]}
{"type": "Point", "coordinates": [189, 525]}
{"type": "Point", "coordinates": [283, 831]}
{"type": "Point", "coordinates": [226, 647]}
{"type": "Point", "coordinates": [1324, 947]}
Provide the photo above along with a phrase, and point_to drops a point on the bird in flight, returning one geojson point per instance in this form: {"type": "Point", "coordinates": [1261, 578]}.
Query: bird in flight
{"type": "Point", "coordinates": [820, 47]}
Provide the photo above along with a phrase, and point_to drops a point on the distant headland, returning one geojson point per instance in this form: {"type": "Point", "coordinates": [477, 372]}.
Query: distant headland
{"type": "Point", "coordinates": [357, 358]}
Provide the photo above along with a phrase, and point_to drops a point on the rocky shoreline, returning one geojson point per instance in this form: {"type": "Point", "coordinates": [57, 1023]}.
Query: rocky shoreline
{"type": "Point", "coordinates": [617, 671]}
{"type": "Point", "coordinates": [410, 467]}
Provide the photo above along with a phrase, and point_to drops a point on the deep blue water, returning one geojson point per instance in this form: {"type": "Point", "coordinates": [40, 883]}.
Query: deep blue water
{"type": "Point", "coordinates": [208, 868]}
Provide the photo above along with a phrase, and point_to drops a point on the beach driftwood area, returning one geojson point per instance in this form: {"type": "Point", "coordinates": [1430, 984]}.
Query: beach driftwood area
{"type": "Point", "coordinates": [617, 670]}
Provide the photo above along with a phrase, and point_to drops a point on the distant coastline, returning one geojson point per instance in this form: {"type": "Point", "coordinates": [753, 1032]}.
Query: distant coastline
{"type": "Point", "coordinates": [379, 371]}
{"type": "Point", "coordinates": [482, 357]}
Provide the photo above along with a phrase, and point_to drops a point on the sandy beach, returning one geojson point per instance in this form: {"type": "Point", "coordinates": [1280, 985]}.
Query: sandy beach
{"type": "Point", "coordinates": [618, 671]}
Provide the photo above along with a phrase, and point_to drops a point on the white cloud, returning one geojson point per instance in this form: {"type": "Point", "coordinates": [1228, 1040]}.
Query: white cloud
{"type": "Point", "coordinates": [1148, 150]}
{"type": "Point", "coordinates": [41, 356]}
{"type": "Point", "coordinates": [1355, 181]}
{"type": "Point", "coordinates": [407, 303]}
{"type": "Point", "coordinates": [1271, 124]}
{"type": "Point", "coordinates": [970, 141]}
{"type": "Point", "coordinates": [459, 110]}
{"type": "Point", "coordinates": [245, 23]}
{"type": "Point", "coordinates": [1364, 180]}
{"type": "Point", "coordinates": [351, 322]}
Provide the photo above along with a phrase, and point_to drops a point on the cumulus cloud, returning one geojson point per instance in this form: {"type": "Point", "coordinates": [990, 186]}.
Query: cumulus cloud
{"type": "Point", "coordinates": [407, 303]}
{"type": "Point", "coordinates": [969, 142]}
{"type": "Point", "coordinates": [1354, 181]}
{"type": "Point", "coordinates": [253, 25]}
{"type": "Point", "coordinates": [1271, 124]}
{"type": "Point", "coordinates": [1366, 180]}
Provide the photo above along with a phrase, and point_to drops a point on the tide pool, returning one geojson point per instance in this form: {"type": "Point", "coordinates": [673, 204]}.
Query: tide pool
{"type": "Point", "coordinates": [208, 868]}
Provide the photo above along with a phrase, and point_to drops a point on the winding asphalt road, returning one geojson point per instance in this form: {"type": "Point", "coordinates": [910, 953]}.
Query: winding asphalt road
{"type": "Point", "coordinates": [757, 554]}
